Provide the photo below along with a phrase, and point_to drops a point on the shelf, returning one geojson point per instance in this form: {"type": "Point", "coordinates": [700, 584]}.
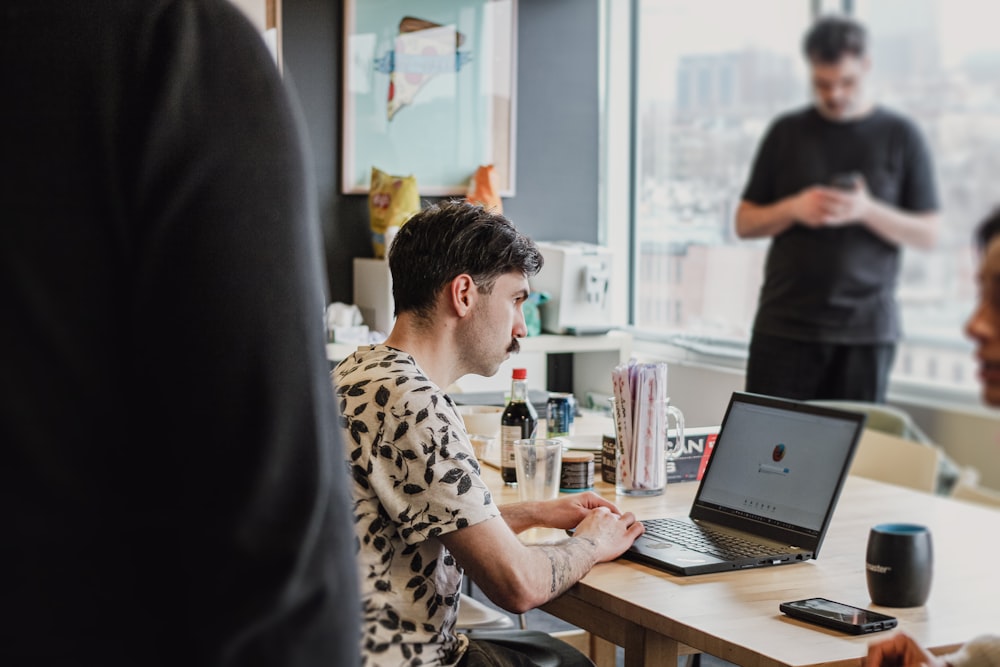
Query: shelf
{"type": "Point", "coordinates": [613, 341]}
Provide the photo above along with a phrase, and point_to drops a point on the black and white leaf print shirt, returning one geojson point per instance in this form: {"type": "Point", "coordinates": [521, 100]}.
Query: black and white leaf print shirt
{"type": "Point", "coordinates": [415, 477]}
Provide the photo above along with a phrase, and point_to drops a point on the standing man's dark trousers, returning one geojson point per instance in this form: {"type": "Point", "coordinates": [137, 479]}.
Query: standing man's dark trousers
{"type": "Point", "coordinates": [804, 371]}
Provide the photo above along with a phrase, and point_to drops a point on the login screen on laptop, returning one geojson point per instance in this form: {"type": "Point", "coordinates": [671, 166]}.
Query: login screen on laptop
{"type": "Point", "coordinates": [780, 467]}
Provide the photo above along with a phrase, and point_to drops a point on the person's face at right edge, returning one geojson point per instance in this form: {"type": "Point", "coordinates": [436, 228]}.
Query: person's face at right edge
{"type": "Point", "coordinates": [984, 325]}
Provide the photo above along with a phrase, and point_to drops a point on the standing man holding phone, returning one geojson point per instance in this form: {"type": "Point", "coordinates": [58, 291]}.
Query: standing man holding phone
{"type": "Point", "coordinates": [840, 186]}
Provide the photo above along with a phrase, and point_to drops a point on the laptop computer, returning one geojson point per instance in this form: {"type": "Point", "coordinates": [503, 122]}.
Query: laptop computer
{"type": "Point", "coordinates": [768, 492]}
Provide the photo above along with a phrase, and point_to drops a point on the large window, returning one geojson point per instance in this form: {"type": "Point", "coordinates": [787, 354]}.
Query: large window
{"type": "Point", "coordinates": [712, 74]}
{"type": "Point", "coordinates": [939, 61]}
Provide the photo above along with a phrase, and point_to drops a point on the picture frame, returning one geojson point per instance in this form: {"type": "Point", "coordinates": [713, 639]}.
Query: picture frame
{"type": "Point", "coordinates": [429, 92]}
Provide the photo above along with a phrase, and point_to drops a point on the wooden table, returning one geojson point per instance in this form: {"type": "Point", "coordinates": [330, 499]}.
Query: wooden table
{"type": "Point", "coordinates": [655, 615]}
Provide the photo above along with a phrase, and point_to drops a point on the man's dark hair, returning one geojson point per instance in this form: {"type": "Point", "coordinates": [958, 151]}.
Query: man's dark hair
{"type": "Point", "coordinates": [833, 37]}
{"type": "Point", "coordinates": [448, 239]}
{"type": "Point", "coordinates": [988, 229]}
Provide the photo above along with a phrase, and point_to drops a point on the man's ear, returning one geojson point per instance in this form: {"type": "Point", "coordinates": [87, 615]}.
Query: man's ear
{"type": "Point", "coordinates": [463, 293]}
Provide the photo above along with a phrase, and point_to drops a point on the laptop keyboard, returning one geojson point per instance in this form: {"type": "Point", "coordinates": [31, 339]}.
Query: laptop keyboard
{"type": "Point", "coordinates": [698, 538]}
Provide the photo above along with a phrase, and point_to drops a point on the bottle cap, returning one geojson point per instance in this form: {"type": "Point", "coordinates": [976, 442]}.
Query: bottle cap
{"type": "Point", "coordinates": [520, 374]}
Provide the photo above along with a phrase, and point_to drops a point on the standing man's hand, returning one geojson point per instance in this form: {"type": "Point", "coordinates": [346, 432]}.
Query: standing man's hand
{"type": "Point", "coordinates": [821, 206]}
{"type": "Point", "coordinates": [814, 206]}
{"type": "Point", "coordinates": [850, 206]}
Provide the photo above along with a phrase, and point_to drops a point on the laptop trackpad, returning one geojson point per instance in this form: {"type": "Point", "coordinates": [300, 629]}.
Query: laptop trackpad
{"type": "Point", "coordinates": [660, 549]}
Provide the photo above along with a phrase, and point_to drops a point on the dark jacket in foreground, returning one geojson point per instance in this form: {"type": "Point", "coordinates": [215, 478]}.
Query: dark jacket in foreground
{"type": "Point", "coordinates": [167, 495]}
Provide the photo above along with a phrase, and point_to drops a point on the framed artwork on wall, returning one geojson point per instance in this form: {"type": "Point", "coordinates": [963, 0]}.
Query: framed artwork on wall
{"type": "Point", "coordinates": [428, 91]}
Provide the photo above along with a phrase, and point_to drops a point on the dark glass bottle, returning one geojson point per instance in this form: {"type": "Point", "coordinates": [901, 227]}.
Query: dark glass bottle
{"type": "Point", "coordinates": [519, 420]}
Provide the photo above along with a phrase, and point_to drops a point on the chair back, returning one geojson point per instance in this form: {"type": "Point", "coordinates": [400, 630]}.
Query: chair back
{"type": "Point", "coordinates": [897, 422]}
{"type": "Point", "coordinates": [975, 493]}
{"type": "Point", "coordinates": [894, 460]}
{"type": "Point", "coordinates": [885, 418]}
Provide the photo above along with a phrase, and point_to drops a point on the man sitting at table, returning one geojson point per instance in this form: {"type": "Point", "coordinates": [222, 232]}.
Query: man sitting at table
{"type": "Point", "coordinates": [984, 328]}
{"type": "Point", "coordinates": [422, 513]}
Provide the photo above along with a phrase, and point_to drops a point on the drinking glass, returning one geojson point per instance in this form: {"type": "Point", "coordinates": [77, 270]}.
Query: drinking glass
{"type": "Point", "coordinates": [539, 463]}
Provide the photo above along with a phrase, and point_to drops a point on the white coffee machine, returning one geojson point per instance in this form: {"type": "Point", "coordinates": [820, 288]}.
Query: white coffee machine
{"type": "Point", "coordinates": [577, 278]}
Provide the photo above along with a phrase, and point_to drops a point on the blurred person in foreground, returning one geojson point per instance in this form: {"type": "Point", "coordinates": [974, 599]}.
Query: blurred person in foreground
{"type": "Point", "coordinates": [984, 328]}
{"type": "Point", "coordinates": [423, 514]}
{"type": "Point", "coordinates": [840, 187]}
{"type": "Point", "coordinates": [167, 493]}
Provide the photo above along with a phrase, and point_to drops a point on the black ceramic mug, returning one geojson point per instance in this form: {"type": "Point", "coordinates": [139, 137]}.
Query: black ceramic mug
{"type": "Point", "coordinates": [899, 564]}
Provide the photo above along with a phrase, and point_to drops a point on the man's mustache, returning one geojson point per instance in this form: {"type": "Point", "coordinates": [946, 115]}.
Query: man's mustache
{"type": "Point", "coordinates": [514, 346]}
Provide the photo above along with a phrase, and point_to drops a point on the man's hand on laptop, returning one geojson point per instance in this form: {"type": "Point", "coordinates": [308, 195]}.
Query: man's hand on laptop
{"type": "Point", "coordinates": [568, 511]}
{"type": "Point", "coordinates": [590, 517]}
{"type": "Point", "coordinates": [610, 533]}
{"type": "Point", "coordinates": [565, 512]}
{"type": "Point", "coordinates": [585, 515]}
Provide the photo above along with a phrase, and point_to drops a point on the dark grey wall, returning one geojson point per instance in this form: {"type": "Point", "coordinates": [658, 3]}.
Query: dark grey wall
{"type": "Point", "coordinates": [557, 124]}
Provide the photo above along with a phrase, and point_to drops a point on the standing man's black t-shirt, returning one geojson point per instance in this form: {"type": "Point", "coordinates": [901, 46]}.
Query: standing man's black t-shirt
{"type": "Point", "coordinates": [836, 284]}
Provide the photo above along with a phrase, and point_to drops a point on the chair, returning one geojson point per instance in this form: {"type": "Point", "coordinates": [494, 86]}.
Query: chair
{"type": "Point", "coordinates": [480, 621]}
{"type": "Point", "coordinates": [884, 418]}
{"type": "Point", "coordinates": [474, 615]}
{"type": "Point", "coordinates": [976, 494]}
{"type": "Point", "coordinates": [896, 422]}
{"type": "Point", "coordinates": [541, 648]}
{"type": "Point", "coordinates": [892, 459]}
{"type": "Point", "coordinates": [968, 488]}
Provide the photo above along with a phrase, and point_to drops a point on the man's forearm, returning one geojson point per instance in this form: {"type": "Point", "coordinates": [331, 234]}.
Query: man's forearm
{"type": "Point", "coordinates": [544, 572]}
{"type": "Point", "coordinates": [898, 227]}
{"type": "Point", "coordinates": [757, 221]}
{"type": "Point", "coordinates": [568, 563]}
{"type": "Point", "coordinates": [520, 516]}
{"type": "Point", "coordinates": [519, 577]}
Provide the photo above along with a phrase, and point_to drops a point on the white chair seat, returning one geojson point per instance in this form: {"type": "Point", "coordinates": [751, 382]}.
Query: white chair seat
{"type": "Point", "coordinates": [474, 615]}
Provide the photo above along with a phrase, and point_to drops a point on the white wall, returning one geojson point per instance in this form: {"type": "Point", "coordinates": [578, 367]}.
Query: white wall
{"type": "Point", "coordinates": [256, 11]}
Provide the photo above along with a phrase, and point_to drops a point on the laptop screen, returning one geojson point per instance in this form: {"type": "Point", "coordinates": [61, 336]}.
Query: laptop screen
{"type": "Point", "coordinates": [779, 464]}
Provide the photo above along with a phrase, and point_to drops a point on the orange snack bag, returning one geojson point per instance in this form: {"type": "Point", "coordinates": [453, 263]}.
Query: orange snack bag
{"type": "Point", "coordinates": [483, 189]}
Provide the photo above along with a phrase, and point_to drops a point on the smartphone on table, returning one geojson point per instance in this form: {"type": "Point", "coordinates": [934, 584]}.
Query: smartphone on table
{"type": "Point", "coordinates": [837, 615]}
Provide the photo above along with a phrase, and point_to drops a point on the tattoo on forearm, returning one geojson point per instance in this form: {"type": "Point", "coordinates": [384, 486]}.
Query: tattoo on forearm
{"type": "Point", "coordinates": [569, 562]}
{"type": "Point", "coordinates": [554, 565]}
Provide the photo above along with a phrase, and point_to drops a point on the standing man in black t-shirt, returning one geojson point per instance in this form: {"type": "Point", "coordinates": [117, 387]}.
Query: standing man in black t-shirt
{"type": "Point", "coordinates": [840, 186]}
